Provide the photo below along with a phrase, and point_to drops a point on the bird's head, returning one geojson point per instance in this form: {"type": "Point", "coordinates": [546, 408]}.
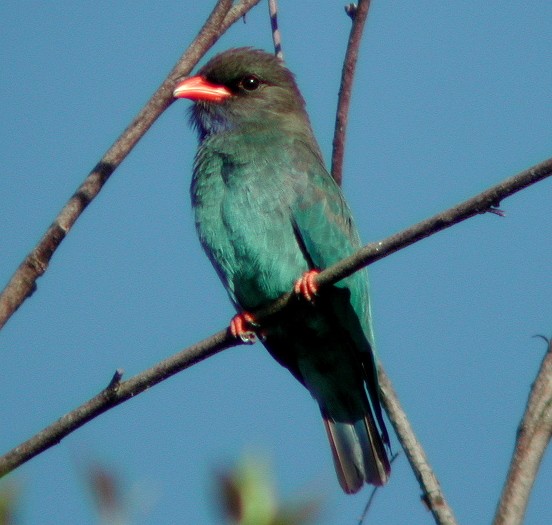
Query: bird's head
{"type": "Point", "coordinates": [242, 89]}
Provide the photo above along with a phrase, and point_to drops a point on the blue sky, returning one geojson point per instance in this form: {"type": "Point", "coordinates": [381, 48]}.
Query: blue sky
{"type": "Point", "coordinates": [449, 99]}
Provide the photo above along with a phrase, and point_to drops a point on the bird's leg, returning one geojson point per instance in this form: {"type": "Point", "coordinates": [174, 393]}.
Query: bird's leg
{"type": "Point", "coordinates": [306, 287]}
{"type": "Point", "coordinates": [241, 327]}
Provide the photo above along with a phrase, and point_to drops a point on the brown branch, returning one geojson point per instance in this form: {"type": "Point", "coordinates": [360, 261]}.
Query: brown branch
{"type": "Point", "coordinates": [358, 15]}
{"type": "Point", "coordinates": [433, 497]}
{"type": "Point", "coordinates": [486, 201]}
{"type": "Point", "coordinates": [118, 392]}
{"type": "Point", "coordinates": [533, 436]}
{"type": "Point", "coordinates": [23, 282]}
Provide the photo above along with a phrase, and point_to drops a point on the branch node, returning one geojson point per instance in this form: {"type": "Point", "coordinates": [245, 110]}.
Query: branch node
{"type": "Point", "coordinates": [496, 211]}
{"type": "Point", "coordinates": [351, 10]}
{"type": "Point", "coordinates": [115, 380]}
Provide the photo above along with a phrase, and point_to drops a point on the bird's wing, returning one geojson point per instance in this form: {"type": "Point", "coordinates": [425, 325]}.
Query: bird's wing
{"type": "Point", "coordinates": [324, 226]}
{"type": "Point", "coordinates": [325, 231]}
{"type": "Point", "coordinates": [320, 214]}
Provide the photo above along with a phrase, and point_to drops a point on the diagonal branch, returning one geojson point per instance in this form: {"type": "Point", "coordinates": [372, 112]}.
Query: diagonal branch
{"type": "Point", "coordinates": [118, 392]}
{"type": "Point", "coordinates": [533, 436]}
{"type": "Point", "coordinates": [481, 203]}
{"type": "Point", "coordinates": [23, 282]}
{"type": "Point", "coordinates": [433, 496]}
{"type": "Point", "coordinates": [358, 15]}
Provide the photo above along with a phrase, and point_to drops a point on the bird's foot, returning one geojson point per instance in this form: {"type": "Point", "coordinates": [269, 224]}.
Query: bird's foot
{"type": "Point", "coordinates": [306, 287]}
{"type": "Point", "coordinates": [241, 327]}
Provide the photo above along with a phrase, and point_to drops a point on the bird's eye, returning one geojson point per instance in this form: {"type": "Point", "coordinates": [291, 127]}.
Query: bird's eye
{"type": "Point", "coordinates": [250, 83]}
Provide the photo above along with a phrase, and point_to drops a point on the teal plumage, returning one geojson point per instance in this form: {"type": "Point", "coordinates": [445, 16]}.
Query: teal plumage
{"type": "Point", "coordinates": [266, 212]}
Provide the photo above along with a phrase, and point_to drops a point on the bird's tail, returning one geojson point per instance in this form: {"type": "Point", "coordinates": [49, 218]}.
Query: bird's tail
{"type": "Point", "coordinates": [358, 451]}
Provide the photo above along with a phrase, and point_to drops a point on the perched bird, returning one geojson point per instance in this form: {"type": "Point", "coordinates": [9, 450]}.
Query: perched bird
{"type": "Point", "coordinates": [270, 216]}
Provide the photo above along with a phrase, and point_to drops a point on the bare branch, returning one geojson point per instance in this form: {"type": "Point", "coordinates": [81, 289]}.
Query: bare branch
{"type": "Point", "coordinates": [118, 392]}
{"type": "Point", "coordinates": [433, 496]}
{"type": "Point", "coordinates": [358, 15]}
{"type": "Point", "coordinates": [23, 282]}
{"type": "Point", "coordinates": [533, 437]}
{"type": "Point", "coordinates": [113, 395]}
{"type": "Point", "coordinates": [482, 203]}
{"type": "Point", "coordinates": [237, 12]}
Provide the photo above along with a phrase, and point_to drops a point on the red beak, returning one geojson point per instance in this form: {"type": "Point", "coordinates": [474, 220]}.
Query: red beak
{"type": "Point", "coordinates": [199, 88]}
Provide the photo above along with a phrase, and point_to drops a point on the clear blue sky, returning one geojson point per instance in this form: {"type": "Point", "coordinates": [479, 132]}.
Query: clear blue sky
{"type": "Point", "coordinates": [450, 98]}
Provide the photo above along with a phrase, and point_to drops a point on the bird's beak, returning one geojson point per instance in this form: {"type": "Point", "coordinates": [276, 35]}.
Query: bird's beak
{"type": "Point", "coordinates": [199, 88]}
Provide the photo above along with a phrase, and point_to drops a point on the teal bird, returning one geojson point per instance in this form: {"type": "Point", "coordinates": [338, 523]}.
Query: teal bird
{"type": "Point", "coordinates": [270, 216]}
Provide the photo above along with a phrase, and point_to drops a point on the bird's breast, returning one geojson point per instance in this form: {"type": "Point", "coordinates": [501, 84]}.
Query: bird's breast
{"type": "Point", "coordinates": [243, 218]}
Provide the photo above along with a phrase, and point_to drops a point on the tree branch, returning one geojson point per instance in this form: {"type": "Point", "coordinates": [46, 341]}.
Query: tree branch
{"type": "Point", "coordinates": [433, 497]}
{"type": "Point", "coordinates": [118, 392]}
{"type": "Point", "coordinates": [358, 15]}
{"type": "Point", "coordinates": [23, 282]}
{"type": "Point", "coordinates": [486, 201]}
{"type": "Point", "coordinates": [533, 436]}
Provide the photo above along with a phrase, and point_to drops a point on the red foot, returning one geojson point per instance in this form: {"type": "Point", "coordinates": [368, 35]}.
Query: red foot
{"type": "Point", "coordinates": [306, 287]}
{"type": "Point", "coordinates": [240, 327]}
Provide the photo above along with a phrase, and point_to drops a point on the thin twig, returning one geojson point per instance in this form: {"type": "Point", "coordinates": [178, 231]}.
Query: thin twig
{"type": "Point", "coordinates": [433, 496]}
{"type": "Point", "coordinates": [373, 493]}
{"type": "Point", "coordinates": [214, 344]}
{"type": "Point", "coordinates": [23, 282]}
{"type": "Point", "coordinates": [533, 436]}
{"type": "Point", "coordinates": [358, 15]}
{"type": "Point", "coordinates": [276, 35]}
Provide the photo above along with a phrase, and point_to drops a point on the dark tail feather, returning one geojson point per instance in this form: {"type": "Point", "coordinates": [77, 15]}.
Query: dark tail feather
{"type": "Point", "coordinates": [358, 452]}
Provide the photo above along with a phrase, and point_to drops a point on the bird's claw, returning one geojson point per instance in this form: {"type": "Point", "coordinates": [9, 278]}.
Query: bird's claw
{"type": "Point", "coordinates": [240, 327]}
{"type": "Point", "coordinates": [306, 287]}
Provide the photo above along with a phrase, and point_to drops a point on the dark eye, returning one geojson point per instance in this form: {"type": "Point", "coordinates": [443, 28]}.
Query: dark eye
{"type": "Point", "coordinates": [250, 83]}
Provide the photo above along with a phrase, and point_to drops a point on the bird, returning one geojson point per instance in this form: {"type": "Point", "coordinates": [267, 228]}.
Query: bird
{"type": "Point", "coordinates": [270, 217]}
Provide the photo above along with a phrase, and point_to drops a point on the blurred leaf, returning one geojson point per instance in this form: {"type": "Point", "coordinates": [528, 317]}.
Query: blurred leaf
{"type": "Point", "coordinates": [9, 496]}
{"type": "Point", "coordinates": [248, 497]}
{"type": "Point", "coordinates": [106, 489]}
